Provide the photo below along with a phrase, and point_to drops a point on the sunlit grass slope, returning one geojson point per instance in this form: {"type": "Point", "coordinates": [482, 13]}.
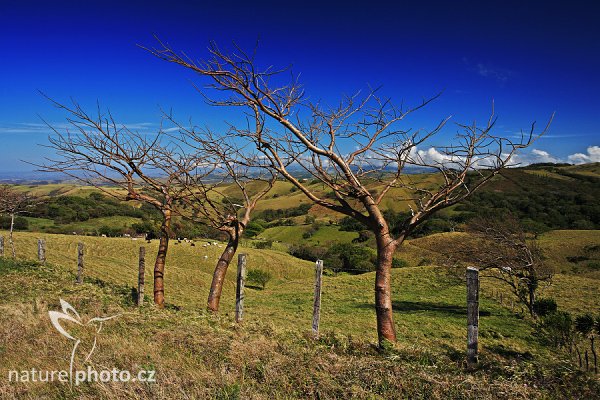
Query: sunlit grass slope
{"type": "Point", "coordinates": [429, 302]}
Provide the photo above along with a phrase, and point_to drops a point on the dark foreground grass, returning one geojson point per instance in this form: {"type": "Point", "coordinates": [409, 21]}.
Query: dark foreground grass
{"type": "Point", "coordinates": [197, 355]}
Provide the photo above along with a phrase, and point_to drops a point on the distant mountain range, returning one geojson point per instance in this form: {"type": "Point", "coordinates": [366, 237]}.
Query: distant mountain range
{"type": "Point", "coordinates": [40, 178]}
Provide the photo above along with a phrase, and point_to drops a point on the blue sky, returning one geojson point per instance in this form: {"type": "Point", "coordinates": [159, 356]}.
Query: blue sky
{"type": "Point", "coordinates": [531, 58]}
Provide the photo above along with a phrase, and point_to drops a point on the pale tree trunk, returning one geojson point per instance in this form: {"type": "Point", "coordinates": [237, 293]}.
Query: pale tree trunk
{"type": "Point", "coordinates": [10, 236]}
{"type": "Point", "coordinates": [216, 287]}
{"type": "Point", "coordinates": [386, 330]}
{"type": "Point", "coordinates": [159, 265]}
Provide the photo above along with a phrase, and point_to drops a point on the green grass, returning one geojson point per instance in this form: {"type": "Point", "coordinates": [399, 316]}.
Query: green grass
{"type": "Point", "coordinates": [561, 244]}
{"type": "Point", "coordinates": [347, 299]}
{"type": "Point", "coordinates": [293, 234]}
{"type": "Point", "coordinates": [270, 355]}
{"type": "Point", "coordinates": [91, 226]}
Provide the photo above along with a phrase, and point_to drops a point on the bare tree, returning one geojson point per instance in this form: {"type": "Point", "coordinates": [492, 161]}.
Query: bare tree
{"type": "Point", "coordinates": [353, 149]}
{"type": "Point", "coordinates": [226, 199]}
{"type": "Point", "coordinates": [503, 251]}
{"type": "Point", "coordinates": [124, 164]}
{"type": "Point", "coordinates": [13, 203]}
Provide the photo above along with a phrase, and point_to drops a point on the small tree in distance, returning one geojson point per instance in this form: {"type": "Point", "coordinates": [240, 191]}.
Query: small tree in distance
{"type": "Point", "coordinates": [259, 277]}
{"type": "Point", "coordinates": [13, 203]}
{"type": "Point", "coordinates": [502, 250]}
{"type": "Point", "coordinates": [356, 149]}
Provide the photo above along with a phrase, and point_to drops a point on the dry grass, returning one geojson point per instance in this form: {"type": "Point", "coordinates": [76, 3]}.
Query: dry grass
{"type": "Point", "coordinates": [197, 355]}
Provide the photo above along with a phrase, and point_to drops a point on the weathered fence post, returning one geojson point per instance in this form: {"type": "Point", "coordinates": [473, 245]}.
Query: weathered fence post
{"type": "Point", "coordinates": [141, 276]}
{"type": "Point", "coordinates": [317, 299]}
{"type": "Point", "coordinates": [239, 291]}
{"type": "Point", "coordinates": [42, 251]}
{"type": "Point", "coordinates": [1, 246]}
{"type": "Point", "coordinates": [472, 315]}
{"type": "Point", "coordinates": [80, 263]}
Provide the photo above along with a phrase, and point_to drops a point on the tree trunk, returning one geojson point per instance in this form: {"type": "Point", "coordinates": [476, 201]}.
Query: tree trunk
{"type": "Point", "coordinates": [159, 265]}
{"type": "Point", "coordinates": [532, 302]}
{"type": "Point", "coordinates": [595, 355]}
{"type": "Point", "coordinates": [386, 331]}
{"type": "Point", "coordinates": [216, 287]}
{"type": "Point", "coordinates": [10, 236]}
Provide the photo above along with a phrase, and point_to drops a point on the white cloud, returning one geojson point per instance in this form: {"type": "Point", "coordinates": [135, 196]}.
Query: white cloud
{"type": "Point", "coordinates": [432, 156]}
{"type": "Point", "coordinates": [593, 155]}
{"type": "Point", "coordinates": [542, 156]}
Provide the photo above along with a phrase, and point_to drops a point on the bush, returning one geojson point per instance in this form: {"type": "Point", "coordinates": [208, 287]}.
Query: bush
{"type": "Point", "coordinates": [306, 252]}
{"type": "Point", "coordinates": [543, 307]}
{"type": "Point", "coordinates": [584, 324]}
{"type": "Point", "coordinates": [399, 263]}
{"type": "Point", "coordinates": [21, 223]}
{"type": "Point", "coordinates": [350, 258]}
{"type": "Point", "coordinates": [309, 219]}
{"type": "Point", "coordinates": [271, 215]}
{"type": "Point", "coordinates": [110, 231]}
{"type": "Point", "coordinates": [556, 329]}
{"type": "Point", "coordinates": [254, 228]}
{"type": "Point", "coordinates": [363, 236]}
{"type": "Point", "coordinates": [267, 244]}
{"type": "Point", "coordinates": [350, 224]}
{"type": "Point", "coordinates": [259, 277]}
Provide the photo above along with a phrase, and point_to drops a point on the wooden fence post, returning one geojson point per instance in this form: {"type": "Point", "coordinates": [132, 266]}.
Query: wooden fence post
{"type": "Point", "coordinates": [80, 263]}
{"type": "Point", "coordinates": [317, 298]}
{"type": "Point", "coordinates": [472, 315]}
{"type": "Point", "coordinates": [42, 251]}
{"type": "Point", "coordinates": [141, 276]}
{"type": "Point", "coordinates": [1, 246]}
{"type": "Point", "coordinates": [239, 291]}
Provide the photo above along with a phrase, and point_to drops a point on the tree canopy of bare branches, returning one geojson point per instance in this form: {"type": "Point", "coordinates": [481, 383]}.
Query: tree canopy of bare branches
{"type": "Point", "coordinates": [125, 164]}
{"type": "Point", "coordinates": [349, 147]}
{"type": "Point", "coordinates": [13, 203]}
{"type": "Point", "coordinates": [502, 250]}
{"type": "Point", "coordinates": [211, 200]}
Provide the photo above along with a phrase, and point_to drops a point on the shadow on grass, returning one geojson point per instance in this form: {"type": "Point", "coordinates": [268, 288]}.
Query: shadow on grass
{"type": "Point", "coordinates": [418, 306]}
{"type": "Point", "coordinates": [509, 353]}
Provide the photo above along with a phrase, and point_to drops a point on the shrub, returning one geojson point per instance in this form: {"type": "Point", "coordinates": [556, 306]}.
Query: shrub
{"type": "Point", "coordinates": [584, 324]}
{"type": "Point", "coordinates": [306, 252]}
{"type": "Point", "coordinates": [543, 307]}
{"type": "Point", "coordinates": [266, 244]}
{"type": "Point", "coordinates": [556, 329]}
{"type": "Point", "coordinates": [350, 258]}
{"type": "Point", "coordinates": [309, 219]}
{"type": "Point", "coordinates": [254, 228]}
{"type": "Point", "coordinates": [399, 263]}
{"type": "Point", "coordinates": [351, 225]}
{"type": "Point", "coordinates": [110, 231]}
{"type": "Point", "coordinates": [259, 277]}
{"type": "Point", "coordinates": [21, 223]}
{"type": "Point", "coordinates": [271, 215]}
{"type": "Point", "coordinates": [363, 236]}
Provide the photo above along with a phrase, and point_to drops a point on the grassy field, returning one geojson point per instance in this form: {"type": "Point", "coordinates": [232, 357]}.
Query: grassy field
{"type": "Point", "coordinates": [197, 355]}
{"type": "Point", "coordinates": [92, 225]}
{"type": "Point", "coordinates": [190, 348]}
{"type": "Point", "coordinates": [293, 234]}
